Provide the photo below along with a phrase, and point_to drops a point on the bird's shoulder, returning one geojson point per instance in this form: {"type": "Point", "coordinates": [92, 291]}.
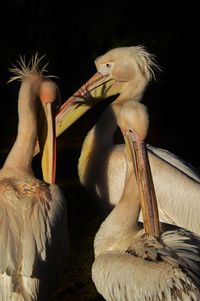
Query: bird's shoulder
{"type": "Point", "coordinates": [13, 189]}
{"type": "Point", "coordinates": [8, 191]}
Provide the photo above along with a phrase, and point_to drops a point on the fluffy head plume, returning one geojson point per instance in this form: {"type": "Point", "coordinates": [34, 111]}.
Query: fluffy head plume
{"type": "Point", "coordinates": [23, 69]}
{"type": "Point", "coordinates": [146, 61]}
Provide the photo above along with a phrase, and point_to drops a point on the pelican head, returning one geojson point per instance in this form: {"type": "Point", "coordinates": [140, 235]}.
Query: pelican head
{"type": "Point", "coordinates": [133, 66]}
{"type": "Point", "coordinates": [134, 118]}
{"type": "Point", "coordinates": [133, 121]}
{"type": "Point", "coordinates": [123, 72]}
{"type": "Point", "coordinates": [46, 132]}
{"type": "Point", "coordinates": [36, 86]}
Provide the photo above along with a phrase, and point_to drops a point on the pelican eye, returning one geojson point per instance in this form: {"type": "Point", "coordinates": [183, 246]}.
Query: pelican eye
{"type": "Point", "coordinates": [130, 131]}
{"type": "Point", "coordinates": [105, 68]}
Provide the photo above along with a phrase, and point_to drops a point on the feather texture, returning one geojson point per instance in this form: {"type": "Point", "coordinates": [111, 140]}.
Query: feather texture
{"type": "Point", "coordinates": [33, 230]}
{"type": "Point", "coordinates": [102, 164]}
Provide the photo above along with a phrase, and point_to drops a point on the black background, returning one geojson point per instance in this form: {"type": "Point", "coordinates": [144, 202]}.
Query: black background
{"type": "Point", "coordinates": [71, 35]}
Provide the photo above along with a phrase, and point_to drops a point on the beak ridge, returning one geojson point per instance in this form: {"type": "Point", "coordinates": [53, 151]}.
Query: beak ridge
{"type": "Point", "coordinates": [47, 144]}
{"type": "Point", "coordinates": [138, 153]}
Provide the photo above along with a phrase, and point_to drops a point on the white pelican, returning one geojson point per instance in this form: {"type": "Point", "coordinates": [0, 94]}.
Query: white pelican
{"type": "Point", "coordinates": [126, 71]}
{"type": "Point", "coordinates": [32, 212]}
{"type": "Point", "coordinates": [133, 264]}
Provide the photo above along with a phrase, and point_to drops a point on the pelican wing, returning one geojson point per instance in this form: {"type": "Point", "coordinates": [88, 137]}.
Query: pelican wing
{"type": "Point", "coordinates": [32, 231]}
{"type": "Point", "coordinates": [11, 226]}
{"type": "Point", "coordinates": [175, 161]}
{"type": "Point", "coordinates": [183, 248]}
{"type": "Point", "coordinates": [44, 232]}
{"type": "Point", "coordinates": [124, 277]}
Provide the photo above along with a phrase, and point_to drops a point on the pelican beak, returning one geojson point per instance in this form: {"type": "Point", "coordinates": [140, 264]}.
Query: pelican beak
{"type": "Point", "coordinates": [137, 152]}
{"type": "Point", "coordinates": [47, 142]}
{"type": "Point", "coordinates": [97, 88]}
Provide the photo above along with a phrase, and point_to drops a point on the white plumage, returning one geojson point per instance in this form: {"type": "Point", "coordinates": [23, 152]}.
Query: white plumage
{"type": "Point", "coordinates": [32, 212]}
{"type": "Point", "coordinates": [102, 165]}
{"type": "Point", "coordinates": [130, 264]}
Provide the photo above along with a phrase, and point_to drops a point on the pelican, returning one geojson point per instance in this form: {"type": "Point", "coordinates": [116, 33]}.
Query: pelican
{"type": "Point", "coordinates": [132, 263]}
{"type": "Point", "coordinates": [125, 72]}
{"type": "Point", "coordinates": [32, 211]}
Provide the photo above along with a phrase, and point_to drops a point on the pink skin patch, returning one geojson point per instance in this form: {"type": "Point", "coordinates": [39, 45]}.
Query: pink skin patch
{"type": "Point", "coordinates": [47, 92]}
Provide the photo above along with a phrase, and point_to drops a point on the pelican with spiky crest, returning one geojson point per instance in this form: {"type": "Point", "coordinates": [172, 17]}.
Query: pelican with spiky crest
{"type": "Point", "coordinates": [125, 72]}
{"type": "Point", "coordinates": [32, 212]}
{"type": "Point", "coordinates": [132, 263]}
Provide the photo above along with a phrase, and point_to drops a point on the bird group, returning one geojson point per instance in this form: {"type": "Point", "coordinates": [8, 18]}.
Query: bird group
{"type": "Point", "coordinates": [148, 246]}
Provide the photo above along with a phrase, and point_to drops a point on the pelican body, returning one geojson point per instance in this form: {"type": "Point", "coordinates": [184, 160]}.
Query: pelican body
{"type": "Point", "coordinates": [102, 164]}
{"type": "Point", "coordinates": [125, 72]}
{"type": "Point", "coordinates": [32, 211]}
{"type": "Point", "coordinates": [132, 263]}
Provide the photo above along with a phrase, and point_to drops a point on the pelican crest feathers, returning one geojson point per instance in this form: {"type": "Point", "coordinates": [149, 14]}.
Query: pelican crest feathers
{"type": "Point", "coordinates": [146, 61]}
{"type": "Point", "coordinates": [143, 58]}
{"type": "Point", "coordinates": [24, 69]}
